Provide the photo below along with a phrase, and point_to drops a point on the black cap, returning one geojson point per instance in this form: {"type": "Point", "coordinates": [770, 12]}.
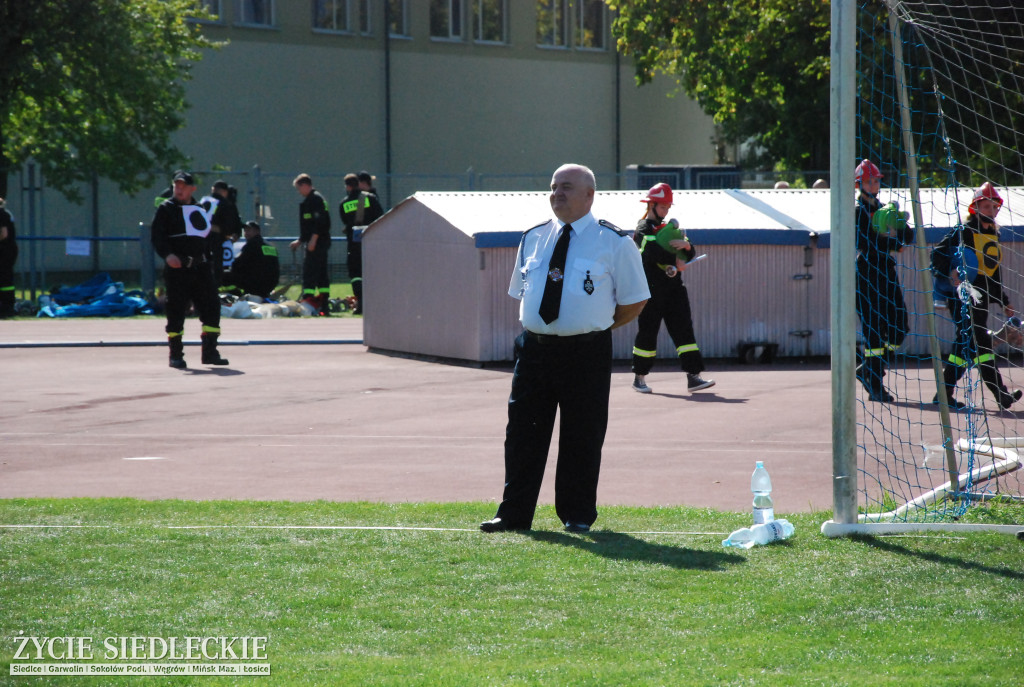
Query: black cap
{"type": "Point", "coordinates": [221, 185]}
{"type": "Point", "coordinates": [365, 176]}
{"type": "Point", "coordinates": [182, 175]}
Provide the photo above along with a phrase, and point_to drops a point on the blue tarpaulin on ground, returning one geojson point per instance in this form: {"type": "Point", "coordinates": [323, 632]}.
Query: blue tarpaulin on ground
{"type": "Point", "coordinates": [99, 296]}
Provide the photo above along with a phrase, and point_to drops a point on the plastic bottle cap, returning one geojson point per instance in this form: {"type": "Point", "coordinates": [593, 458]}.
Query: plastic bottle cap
{"type": "Point", "coordinates": [760, 464]}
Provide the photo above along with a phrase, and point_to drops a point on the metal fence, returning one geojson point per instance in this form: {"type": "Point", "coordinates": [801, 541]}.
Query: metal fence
{"type": "Point", "coordinates": [141, 268]}
{"type": "Point", "coordinates": [52, 258]}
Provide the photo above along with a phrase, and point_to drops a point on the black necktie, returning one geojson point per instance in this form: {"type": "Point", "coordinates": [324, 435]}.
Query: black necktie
{"type": "Point", "coordinates": [552, 298]}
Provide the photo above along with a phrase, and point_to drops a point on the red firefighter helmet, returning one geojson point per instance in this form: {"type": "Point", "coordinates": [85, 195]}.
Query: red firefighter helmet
{"type": "Point", "coordinates": [659, 193]}
{"type": "Point", "coordinates": [867, 169]}
{"type": "Point", "coordinates": [986, 190]}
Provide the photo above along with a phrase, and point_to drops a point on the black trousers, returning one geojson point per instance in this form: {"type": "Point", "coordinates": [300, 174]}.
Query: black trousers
{"type": "Point", "coordinates": [669, 302]}
{"type": "Point", "coordinates": [883, 316]}
{"type": "Point", "coordinates": [7, 259]}
{"type": "Point", "coordinates": [973, 347]}
{"type": "Point", "coordinates": [570, 375]}
{"type": "Point", "coordinates": [191, 285]}
{"type": "Point", "coordinates": [880, 305]}
{"type": "Point", "coordinates": [315, 276]}
{"type": "Point", "coordinates": [355, 272]}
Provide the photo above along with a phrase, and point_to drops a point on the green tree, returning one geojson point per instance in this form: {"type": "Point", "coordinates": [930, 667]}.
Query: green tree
{"type": "Point", "coordinates": [760, 68]}
{"type": "Point", "coordinates": [94, 87]}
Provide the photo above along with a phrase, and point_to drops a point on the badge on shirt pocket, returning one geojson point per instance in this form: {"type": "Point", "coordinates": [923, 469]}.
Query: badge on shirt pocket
{"type": "Point", "coordinates": [586, 276]}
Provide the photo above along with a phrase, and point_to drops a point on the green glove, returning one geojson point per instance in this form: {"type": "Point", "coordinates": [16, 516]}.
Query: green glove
{"type": "Point", "coordinates": [889, 219]}
{"type": "Point", "coordinates": [670, 231]}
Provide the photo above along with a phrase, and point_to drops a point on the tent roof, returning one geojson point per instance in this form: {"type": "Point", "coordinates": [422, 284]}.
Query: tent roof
{"type": "Point", "coordinates": [711, 217]}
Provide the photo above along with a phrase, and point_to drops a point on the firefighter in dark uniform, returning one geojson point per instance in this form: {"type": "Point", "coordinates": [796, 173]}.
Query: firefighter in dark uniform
{"type": "Point", "coordinates": [966, 269]}
{"type": "Point", "coordinates": [8, 256]}
{"type": "Point", "coordinates": [880, 305]}
{"type": "Point", "coordinates": [315, 235]}
{"type": "Point", "coordinates": [669, 299]}
{"type": "Point", "coordinates": [358, 209]}
{"type": "Point", "coordinates": [180, 231]}
{"type": "Point", "coordinates": [257, 269]}
{"type": "Point", "coordinates": [226, 226]}
{"type": "Point", "coordinates": [577, 278]}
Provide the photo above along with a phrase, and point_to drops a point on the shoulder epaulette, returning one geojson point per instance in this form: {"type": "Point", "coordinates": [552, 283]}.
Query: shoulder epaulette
{"type": "Point", "coordinates": [538, 226]}
{"type": "Point", "coordinates": [609, 225]}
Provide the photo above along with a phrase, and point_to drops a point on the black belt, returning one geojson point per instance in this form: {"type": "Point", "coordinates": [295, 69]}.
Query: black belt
{"type": "Point", "coordinates": [189, 262]}
{"type": "Point", "coordinates": [551, 339]}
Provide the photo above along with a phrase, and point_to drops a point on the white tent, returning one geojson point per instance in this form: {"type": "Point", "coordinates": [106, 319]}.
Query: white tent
{"type": "Point", "coordinates": [436, 269]}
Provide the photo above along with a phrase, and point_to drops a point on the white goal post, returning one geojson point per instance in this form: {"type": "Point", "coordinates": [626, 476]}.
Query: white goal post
{"type": "Point", "coordinates": [970, 455]}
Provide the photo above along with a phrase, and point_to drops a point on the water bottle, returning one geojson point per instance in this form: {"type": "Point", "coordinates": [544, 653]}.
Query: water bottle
{"type": "Point", "coordinates": [761, 486]}
{"type": "Point", "coordinates": [766, 533]}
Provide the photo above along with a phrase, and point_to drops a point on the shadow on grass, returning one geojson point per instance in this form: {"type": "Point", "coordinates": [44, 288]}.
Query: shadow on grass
{"type": "Point", "coordinates": [933, 557]}
{"type": "Point", "coordinates": [626, 547]}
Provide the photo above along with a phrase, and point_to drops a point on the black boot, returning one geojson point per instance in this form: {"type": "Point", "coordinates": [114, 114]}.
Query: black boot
{"type": "Point", "coordinates": [994, 381]}
{"type": "Point", "coordinates": [210, 354]}
{"type": "Point", "coordinates": [1007, 398]}
{"type": "Point", "coordinates": [870, 374]}
{"type": "Point", "coordinates": [177, 346]}
{"type": "Point", "coordinates": [357, 291]}
{"type": "Point", "coordinates": [951, 374]}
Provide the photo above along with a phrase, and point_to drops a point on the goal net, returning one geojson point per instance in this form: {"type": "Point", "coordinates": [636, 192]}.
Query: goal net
{"type": "Point", "coordinates": [939, 111]}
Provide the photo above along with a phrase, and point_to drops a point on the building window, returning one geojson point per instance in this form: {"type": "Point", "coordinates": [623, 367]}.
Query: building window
{"type": "Point", "coordinates": [591, 24]}
{"type": "Point", "coordinates": [489, 20]}
{"type": "Point", "coordinates": [342, 15]}
{"type": "Point", "coordinates": [256, 12]}
{"type": "Point", "coordinates": [213, 7]}
{"type": "Point", "coordinates": [551, 23]}
{"type": "Point", "coordinates": [398, 18]}
{"type": "Point", "coordinates": [364, 16]}
{"type": "Point", "coordinates": [446, 19]}
{"type": "Point", "coordinates": [330, 15]}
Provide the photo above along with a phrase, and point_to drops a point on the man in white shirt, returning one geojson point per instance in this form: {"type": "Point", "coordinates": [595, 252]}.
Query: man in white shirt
{"type": "Point", "coordinates": [577, 278]}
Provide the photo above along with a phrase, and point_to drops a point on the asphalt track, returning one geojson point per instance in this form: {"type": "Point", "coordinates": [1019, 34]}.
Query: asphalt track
{"type": "Point", "coordinates": [304, 412]}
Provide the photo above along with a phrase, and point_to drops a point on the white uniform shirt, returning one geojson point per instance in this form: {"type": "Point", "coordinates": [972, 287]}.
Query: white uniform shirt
{"type": "Point", "coordinates": [602, 270]}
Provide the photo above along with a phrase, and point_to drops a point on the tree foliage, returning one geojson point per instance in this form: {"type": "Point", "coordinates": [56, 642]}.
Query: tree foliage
{"type": "Point", "coordinates": [94, 87]}
{"type": "Point", "coordinates": [760, 68]}
{"type": "Point", "coordinates": [964, 65]}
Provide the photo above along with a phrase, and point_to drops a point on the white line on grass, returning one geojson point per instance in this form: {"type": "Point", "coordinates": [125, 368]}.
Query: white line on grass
{"type": "Point", "coordinates": [57, 526]}
{"type": "Point", "coordinates": [347, 527]}
{"type": "Point", "coordinates": [409, 529]}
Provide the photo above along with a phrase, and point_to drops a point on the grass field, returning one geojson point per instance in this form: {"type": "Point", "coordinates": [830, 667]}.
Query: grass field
{"type": "Point", "coordinates": [649, 598]}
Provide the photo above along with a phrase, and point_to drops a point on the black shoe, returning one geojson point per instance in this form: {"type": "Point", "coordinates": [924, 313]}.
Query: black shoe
{"type": "Point", "coordinates": [876, 392]}
{"type": "Point", "coordinates": [499, 525]}
{"type": "Point", "coordinates": [864, 377]}
{"type": "Point", "coordinates": [177, 363]}
{"type": "Point", "coordinates": [953, 403]}
{"type": "Point", "coordinates": [571, 526]}
{"type": "Point", "coordinates": [880, 395]}
{"type": "Point", "coordinates": [695, 382]}
{"type": "Point", "coordinates": [1006, 399]}
{"type": "Point", "coordinates": [213, 358]}
{"type": "Point", "coordinates": [640, 385]}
